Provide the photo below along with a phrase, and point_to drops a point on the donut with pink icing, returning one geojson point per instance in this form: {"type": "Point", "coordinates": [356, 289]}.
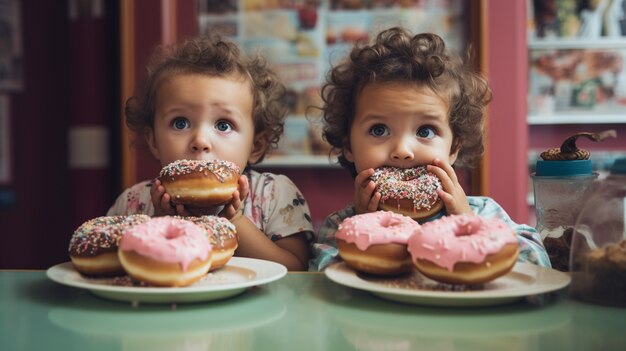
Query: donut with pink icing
{"type": "Point", "coordinates": [408, 191]}
{"type": "Point", "coordinates": [376, 242]}
{"type": "Point", "coordinates": [200, 183]}
{"type": "Point", "coordinates": [463, 249]}
{"type": "Point", "coordinates": [165, 251]}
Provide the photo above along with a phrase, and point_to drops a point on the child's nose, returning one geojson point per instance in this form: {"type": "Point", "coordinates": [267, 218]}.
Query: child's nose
{"type": "Point", "coordinates": [201, 142]}
{"type": "Point", "coordinates": [403, 150]}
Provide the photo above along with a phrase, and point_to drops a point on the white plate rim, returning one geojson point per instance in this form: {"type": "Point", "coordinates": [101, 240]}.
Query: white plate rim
{"type": "Point", "coordinates": [546, 280]}
{"type": "Point", "coordinates": [266, 272]}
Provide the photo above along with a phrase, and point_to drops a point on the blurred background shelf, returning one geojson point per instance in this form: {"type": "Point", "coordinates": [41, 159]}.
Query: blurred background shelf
{"type": "Point", "coordinates": [576, 43]}
{"type": "Point", "coordinates": [576, 118]}
{"type": "Point", "coordinates": [287, 161]}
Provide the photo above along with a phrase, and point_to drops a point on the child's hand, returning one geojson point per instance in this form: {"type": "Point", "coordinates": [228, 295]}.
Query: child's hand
{"type": "Point", "coordinates": [234, 208]}
{"type": "Point", "coordinates": [366, 197]}
{"type": "Point", "coordinates": [452, 193]}
{"type": "Point", "coordinates": [162, 201]}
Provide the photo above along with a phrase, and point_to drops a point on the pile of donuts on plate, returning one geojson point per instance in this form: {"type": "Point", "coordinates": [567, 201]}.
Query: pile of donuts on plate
{"type": "Point", "coordinates": [169, 250]}
{"type": "Point", "coordinates": [455, 249]}
{"type": "Point", "coordinates": [160, 251]}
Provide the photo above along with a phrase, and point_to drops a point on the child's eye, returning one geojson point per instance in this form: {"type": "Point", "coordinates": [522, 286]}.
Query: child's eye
{"type": "Point", "coordinates": [426, 132]}
{"type": "Point", "coordinates": [379, 130]}
{"type": "Point", "coordinates": [180, 123]}
{"type": "Point", "coordinates": [223, 126]}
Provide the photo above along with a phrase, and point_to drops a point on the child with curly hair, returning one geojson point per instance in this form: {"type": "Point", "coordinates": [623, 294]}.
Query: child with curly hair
{"type": "Point", "coordinates": [204, 100]}
{"type": "Point", "coordinates": [404, 101]}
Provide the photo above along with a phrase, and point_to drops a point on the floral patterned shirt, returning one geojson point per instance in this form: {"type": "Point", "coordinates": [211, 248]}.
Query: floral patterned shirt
{"type": "Point", "coordinates": [274, 205]}
{"type": "Point", "coordinates": [531, 248]}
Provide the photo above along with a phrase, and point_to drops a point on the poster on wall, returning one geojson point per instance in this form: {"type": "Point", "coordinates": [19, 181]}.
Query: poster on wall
{"type": "Point", "coordinates": [11, 58]}
{"type": "Point", "coordinates": [302, 39]}
{"type": "Point", "coordinates": [5, 142]}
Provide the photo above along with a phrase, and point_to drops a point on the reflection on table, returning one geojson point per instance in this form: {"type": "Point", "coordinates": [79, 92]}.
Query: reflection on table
{"type": "Point", "coordinates": [302, 311]}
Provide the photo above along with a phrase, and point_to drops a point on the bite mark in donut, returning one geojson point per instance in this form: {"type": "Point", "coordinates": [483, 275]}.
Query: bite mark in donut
{"type": "Point", "coordinates": [462, 249]}
{"type": "Point", "coordinates": [93, 246]}
{"type": "Point", "coordinates": [200, 183]}
{"type": "Point", "coordinates": [411, 192]}
{"type": "Point", "coordinates": [376, 242]}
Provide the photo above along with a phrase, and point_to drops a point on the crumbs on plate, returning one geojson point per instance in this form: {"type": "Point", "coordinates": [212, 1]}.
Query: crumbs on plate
{"type": "Point", "coordinates": [128, 281]}
{"type": "Point", "coordinates": [416, 281]}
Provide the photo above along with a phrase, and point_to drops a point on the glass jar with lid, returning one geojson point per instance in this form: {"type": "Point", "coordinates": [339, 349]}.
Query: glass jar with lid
{"type": "Point", "coordinates": [560, 183]}
{"type": "Point", "coordinates": [598, 252]}
{"type": "Point", "coordinates": [560, 188]}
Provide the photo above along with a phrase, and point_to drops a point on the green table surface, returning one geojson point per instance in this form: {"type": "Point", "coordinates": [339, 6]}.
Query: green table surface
{"type": "Point", "coordinates": [301, 311]}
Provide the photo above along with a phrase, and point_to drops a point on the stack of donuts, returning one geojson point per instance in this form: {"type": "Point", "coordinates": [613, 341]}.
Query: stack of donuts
{"type": "Point", "coordinates": [161, 251]}
{"type": "Point", "coordinates": [456, 249]}
{"type": "Point", "coordinates": [165, 251]}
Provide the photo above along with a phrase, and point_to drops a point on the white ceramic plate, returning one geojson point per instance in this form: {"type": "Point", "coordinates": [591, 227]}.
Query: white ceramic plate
{"type": "Point", "coordinates": [524, 280]}
{"type": "Point", "coordinates": [234, 278]}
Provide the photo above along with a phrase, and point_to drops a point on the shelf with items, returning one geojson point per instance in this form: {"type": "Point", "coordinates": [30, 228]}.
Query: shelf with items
{"type": "Point", "coordinates": [577, 55]}
{"type": "Point", "coordinates": [577, 86]}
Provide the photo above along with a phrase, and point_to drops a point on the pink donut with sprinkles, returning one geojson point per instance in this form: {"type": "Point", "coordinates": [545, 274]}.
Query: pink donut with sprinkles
{"type": "Point", "coordinates": [463, 249]}
{"type": "Point", "coordinates": [376, 242]}
{"type": "Point", "coordinates": [408, 191]}
{"type": "Point", "coordinates": [93, 246]}
{"type": "Point", "coordinates": [165, 251]}
{"type": "Point", "coordinates": [200, 183]}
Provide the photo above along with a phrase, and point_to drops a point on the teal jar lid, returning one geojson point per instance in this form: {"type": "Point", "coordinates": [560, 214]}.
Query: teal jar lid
{"type": "Point", "coordinates": [619, 167]}
{"type": "Point", "coordinates": [564, 168]}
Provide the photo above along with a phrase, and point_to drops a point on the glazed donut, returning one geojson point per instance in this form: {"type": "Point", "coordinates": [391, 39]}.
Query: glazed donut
{"type": "Point", "coordinates": [376, 242]}
{"type": "Point", "coordinates": [462, 249]}
{"type": "Point", "coordinates": [408, 191]}
{"type": "Point", "coordinates": [93, 246]}
{"type": "Point", "coordinates": [200, 183]}
{"type": "Point", "coordinates": [223, 237]}
{"type": "Point", "coordinates": [165, 251]}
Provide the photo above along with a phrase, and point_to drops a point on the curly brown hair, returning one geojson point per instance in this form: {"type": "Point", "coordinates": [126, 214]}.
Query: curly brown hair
{"type": "Point", "coordinates": [211, 56]}
{"type": "Point", "coordinates": [423, 60]}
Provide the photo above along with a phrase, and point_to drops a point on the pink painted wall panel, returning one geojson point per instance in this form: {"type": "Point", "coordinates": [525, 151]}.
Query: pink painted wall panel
{"type": "Point", "coordinates": [508, 131]}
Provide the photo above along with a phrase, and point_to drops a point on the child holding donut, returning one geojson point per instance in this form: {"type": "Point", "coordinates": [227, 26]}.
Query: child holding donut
{"type": "Point", "coordinates": [204, 100]}
{"type": "Point", "coordinates": [404, 101]}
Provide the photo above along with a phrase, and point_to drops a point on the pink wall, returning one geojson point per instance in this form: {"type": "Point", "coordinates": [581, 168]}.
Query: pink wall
{"type": "Point", "coordinates": [507, 167]}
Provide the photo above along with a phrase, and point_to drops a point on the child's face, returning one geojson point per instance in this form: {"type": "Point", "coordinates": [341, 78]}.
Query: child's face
{"type": "Point", "coordinates": [203, 118]}
{"type": "Point", "coordinates": [399, 125]}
